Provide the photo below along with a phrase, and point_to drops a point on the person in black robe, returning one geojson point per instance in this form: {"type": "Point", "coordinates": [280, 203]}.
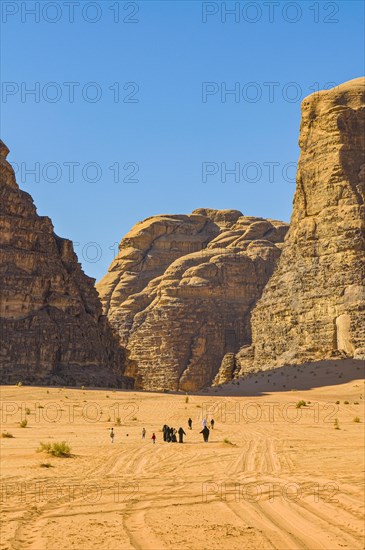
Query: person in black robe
{"type": "Point", "coordinates": [164, 431]}
{"type": "Point", "coordinates": [212, 423]}
{"type": "Point", "coordinates": [205, 431]}
{"type": "Point", "coordinates": [190, 423]}
{"type": "Point", "coordinates": [173, 437]}
{"type": "Point", "coordinates": [181, 434]}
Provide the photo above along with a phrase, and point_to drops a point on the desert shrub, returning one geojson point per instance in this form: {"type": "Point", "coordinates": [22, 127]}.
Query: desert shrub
{"type": "Point", "coordinates": [337, 424]}
{"type": "Point", "coordinates": [61, 449]}
{"type": "Point", "coordinates": [118, 421]}
{"type": "Point", "coordinates": [23, 423]}
{"type": "Point", "coordinates": [227, 441]}
{"type": "Point", "coordinates": [356, 419]}
{"type": "Point", "coordinates": [134, 418]}
{"type": "Point", "coordinates": [356, 402]}
{"type": "Point", "coordinates": [46, 465]}
{"type": "Point", "coordinates": [109, 419]}
{"type": "Point", "coordinates": [300, 404]}
{"type": "Point", "coordinates": [7, 434]}
{"type": "Point", "coordinates": [187, 399]}
{"type": "Point", "coordinates": [337, 402]}
{"type": "Point", "coordinates": [346, 403]}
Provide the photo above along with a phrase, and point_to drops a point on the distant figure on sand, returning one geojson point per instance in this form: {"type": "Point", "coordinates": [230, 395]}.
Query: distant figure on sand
{"type": "Point", "coordinates": [153, 438]}
{"type": "Point", "coordinates": [143, 433]}
{"type": "Point", "coordinates": [112, 434]}
{"type": "Point", "coordinates": [181, 434]}
{"type": "Point", "coordinates": [190, 423]}
{"type": "Point", "coordinates": [165, 430]}
{"type": "Point", "coordinates": [204, 423]}
{"type": "Point", "coordinates": [173, 436]}
{"type": "Point", "coordinates": [212, 424]}
{"type": "Point", "coordinates": [205, 432]}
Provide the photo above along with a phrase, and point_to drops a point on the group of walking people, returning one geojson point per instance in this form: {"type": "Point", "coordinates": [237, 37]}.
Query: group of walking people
{"type": "Point", "coordinates": [171, 435]}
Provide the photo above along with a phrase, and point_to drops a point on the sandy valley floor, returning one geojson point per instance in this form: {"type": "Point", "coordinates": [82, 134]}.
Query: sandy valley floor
{"type": "Point", "coordinates": [272, 476]}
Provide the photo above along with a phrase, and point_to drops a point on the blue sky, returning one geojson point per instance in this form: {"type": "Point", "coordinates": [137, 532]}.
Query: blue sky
{"type": "Point", "coordinates": [146, 126]}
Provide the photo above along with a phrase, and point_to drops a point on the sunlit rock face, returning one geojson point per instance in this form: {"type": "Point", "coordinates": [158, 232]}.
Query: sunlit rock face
{"type": "Point", "coordinates": [51, 323]}
{"type": "Point", "coordinates": [314, 305]}
{"type": "Point", "coordinates": [181, 290]}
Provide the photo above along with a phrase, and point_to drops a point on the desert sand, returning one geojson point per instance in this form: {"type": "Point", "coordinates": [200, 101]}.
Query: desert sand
{"type": "Point", "coordinates": [272, 476]}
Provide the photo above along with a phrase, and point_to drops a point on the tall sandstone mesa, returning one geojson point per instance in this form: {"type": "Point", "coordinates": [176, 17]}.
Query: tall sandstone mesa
{"type": "Point", "coordinates": [51, 325]}
{"type": "Point", "coordinates": [181, 290]}
{"type": "Point", "coordinates": [314, 305]}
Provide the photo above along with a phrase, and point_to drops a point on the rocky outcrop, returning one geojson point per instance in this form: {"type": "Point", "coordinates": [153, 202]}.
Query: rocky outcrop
{"type": "Point", "coordinates": [181, 290]}
{"type": "Point", "coordinates": [314, 305]}
{"type": "Point", "coordinates": [51, 323]}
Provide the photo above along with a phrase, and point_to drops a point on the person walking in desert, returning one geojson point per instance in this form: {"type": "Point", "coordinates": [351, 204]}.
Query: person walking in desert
{"type": "Point", "coordinates": [190, 423]}
{"type": "Point", "coordinates": [205, 431]}
{"type": "Point", "coordinates": [112, 434]}
{"type": "Point", "coordinates": [143, 433]}
{"type": "Point", "coordinates": [153, 438]}
{"type": "Point", "coordinates": [181, 435]}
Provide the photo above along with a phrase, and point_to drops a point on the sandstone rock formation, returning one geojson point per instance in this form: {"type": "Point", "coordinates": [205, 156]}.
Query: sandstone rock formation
{"type": "Point", "coordinates": [181, 290]}
{"type": "Point", "coordinates": [51, 324]}
{"type": "Point", "coordinates": [314, 305]}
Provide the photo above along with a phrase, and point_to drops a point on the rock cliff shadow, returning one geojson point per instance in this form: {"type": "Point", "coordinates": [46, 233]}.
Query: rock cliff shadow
{"type": "Point", "coordinates": [306, 376]}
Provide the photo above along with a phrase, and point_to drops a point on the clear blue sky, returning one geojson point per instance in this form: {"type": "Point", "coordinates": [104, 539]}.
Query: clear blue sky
{"type": "Point", "coordinates": [170, 50]}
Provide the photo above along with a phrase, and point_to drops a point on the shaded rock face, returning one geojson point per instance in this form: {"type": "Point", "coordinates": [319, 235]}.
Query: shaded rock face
{"type": "Point", "coordinates": [181, 290]}
{"type": "Point", "coordinates": [314, 305]}
{"type": "Point", "coordinates": [51, 324]}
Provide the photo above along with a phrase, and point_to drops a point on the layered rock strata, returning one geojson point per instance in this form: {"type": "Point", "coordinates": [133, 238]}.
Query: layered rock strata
{"type": "Point", "coordinates": [51, 324]}
{"type": "Point", "coordinates": [314, 305]}
{"type": "Point", "coordinates": [181, 290]}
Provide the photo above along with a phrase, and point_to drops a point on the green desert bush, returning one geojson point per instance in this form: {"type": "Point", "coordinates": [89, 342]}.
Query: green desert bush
{"type": "Point", "coordinates": [7, 434]}
{"type": "Point", "coordinates": [300, 404]}
{"type": "Point", "coordinates": [356, 419]}
{"type": "Point", "coordinates": [61, 449]}
{"type": "Point", "coordinates": [23, 423]}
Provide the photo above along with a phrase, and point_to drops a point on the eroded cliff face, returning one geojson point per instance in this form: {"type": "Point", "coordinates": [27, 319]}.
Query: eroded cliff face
{"type": "Point", "coordinates": [51, 324]}
{"type": "Point", "coordinates": [181, 291]}
{"type": "Point", "coordinates": [314, 305]}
